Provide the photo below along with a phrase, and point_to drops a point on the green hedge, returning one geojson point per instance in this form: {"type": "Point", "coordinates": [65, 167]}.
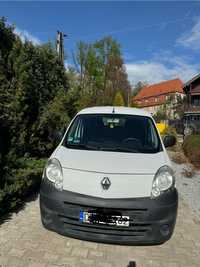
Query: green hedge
{"type": "Point", "coordinates": [191, 148]}
{"type": "Point", "coordinates": [21, 182]}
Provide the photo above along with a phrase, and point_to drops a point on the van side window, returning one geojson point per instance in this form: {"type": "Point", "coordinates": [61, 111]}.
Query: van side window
{"type": "Point", "coordinates": [151, 135]}
{"type": "Point", "coordinates": [76, 133]}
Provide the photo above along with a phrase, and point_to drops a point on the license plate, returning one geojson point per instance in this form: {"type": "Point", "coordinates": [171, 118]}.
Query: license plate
{"type": "Point", "coordinates": [98, 218]}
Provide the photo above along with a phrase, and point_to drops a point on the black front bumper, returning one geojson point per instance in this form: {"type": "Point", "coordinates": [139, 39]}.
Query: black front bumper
{"type": "Point", "coordinates": [153, 219]}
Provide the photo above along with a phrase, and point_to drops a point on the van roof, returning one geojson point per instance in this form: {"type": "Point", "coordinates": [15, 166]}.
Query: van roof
{"type": "Point", "coordinates": [116, 110]}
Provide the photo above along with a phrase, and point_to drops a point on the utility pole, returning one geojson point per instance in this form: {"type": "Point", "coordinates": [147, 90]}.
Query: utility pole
{"type": "Point", "coordinates": [128, 98]}
{"type": "Point", "coordinates": [60, 45]}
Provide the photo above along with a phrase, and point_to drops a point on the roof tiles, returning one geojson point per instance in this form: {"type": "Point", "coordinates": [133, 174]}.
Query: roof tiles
{"type": "Point", "coordinates": [165, 87]}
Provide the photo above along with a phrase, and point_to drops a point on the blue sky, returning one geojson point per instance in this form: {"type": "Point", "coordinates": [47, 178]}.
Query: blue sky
{"type": "Point", "coordinates": [159, 40]}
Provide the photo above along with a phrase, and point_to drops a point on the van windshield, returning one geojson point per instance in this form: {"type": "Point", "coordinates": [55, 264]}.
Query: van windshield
{"type": "Point", "coordinates": [113, 132]}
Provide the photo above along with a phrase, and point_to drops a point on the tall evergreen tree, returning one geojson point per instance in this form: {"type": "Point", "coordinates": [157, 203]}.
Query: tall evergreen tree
{"type": "Point", "coordinates": [118, 100]}
{"type": "Point", "coordinates": [33, 85]}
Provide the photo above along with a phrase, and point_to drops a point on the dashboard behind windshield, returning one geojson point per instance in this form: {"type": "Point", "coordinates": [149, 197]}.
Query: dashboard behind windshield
{"type": "Point", "coordinates": [113, 132]}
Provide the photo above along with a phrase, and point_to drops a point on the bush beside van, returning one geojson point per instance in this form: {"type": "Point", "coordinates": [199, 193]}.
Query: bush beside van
{"type": "Point", "coordinates": [169, 131]}
{"type": "Point", "coordinates": [20, 183]}
{"type": "Point", "coordinates": [191, 148]}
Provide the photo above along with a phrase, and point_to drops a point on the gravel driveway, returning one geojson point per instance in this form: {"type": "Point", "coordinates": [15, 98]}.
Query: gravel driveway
{"type": "Point", "coordinates": [25, 243]}
{"type": "Point", "coordinates": [189, 188]}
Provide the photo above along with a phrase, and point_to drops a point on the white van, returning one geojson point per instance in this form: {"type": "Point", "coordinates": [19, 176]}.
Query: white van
{"type": "Point", "coordinates": [110, 179]}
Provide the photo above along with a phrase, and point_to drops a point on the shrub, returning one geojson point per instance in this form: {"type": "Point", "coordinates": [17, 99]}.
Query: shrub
{"type": "Point", "coordinates": [169, 131]}
{"type": "Point", "coordinates": [191, 148]}
{"type": "Point", "coordinates": [21, 182]}
{"type": "Point", "coordinates": [179, 158]}
{"type": "Point", "coordinates": [118, 100]}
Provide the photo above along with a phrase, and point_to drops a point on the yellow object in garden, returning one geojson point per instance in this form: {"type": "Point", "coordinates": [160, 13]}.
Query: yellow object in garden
{"type": "Point", "coordinates": [161, 127]}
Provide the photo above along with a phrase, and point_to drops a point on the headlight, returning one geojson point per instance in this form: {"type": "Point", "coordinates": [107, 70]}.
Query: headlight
{"type": "Point", "coordinates": [54, 173]}
{"type": "Point", "coordinates": [163, 180]}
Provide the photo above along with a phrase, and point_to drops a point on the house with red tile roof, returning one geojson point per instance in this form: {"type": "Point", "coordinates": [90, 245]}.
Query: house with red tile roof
{"type": "Point", "coordinates": [155, 96]}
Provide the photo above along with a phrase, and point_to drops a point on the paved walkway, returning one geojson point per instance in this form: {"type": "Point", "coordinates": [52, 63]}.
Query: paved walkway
{"type": "Point", "coordinates": [24, 242]}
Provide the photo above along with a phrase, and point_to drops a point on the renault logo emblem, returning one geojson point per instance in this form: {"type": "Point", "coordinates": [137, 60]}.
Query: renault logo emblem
{"type": "Point", "coordinates": [105, 183]}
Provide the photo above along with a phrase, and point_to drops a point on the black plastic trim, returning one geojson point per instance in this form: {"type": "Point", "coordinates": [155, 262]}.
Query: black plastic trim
{"type": "Point", "coordinates": [60, 213]}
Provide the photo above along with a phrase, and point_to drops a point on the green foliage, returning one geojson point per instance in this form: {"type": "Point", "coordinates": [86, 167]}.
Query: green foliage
{"type": "Point", "coordinates": [38, 97]}
{"type": "Point", "coordinates": [53, 118]}
{"type": "Point", "coordinates": [169, 131]}
{"type": "Point", "coordinates": [101, 73]}
{"type": "Point", "coordinates": [180, 106]}
{"type": "Point", "coordinates": [34, 92]}
{"type": "Point", "coordinates": [160, 115]}
{"type": "Point", "coordinates": [191, 148]}
{"type": "Point", "coordinates": [20, 182]}
{"type": "Point", "coordinates": [37, 84]}
{"type": "Point", "coordinates": [118, 100]}
{"type": "Point", "coordinates": [34, 103]}
{"type": "Point", "coordinates": [137, 88]}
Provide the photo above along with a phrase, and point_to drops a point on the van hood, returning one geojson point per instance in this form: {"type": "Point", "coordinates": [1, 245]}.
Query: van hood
{"type": "Point", "coordinates": [110, 162]}
{"type": "Point", "coordinates": [130, 175]}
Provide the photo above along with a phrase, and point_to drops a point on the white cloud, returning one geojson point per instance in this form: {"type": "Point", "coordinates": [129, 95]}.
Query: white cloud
{"type": "Point", "coordinates": [25, 35]}
{"type": "Point", "coordinates": [191, 39]}
{"type": "Point", "coordinates": [67, 65]}
{"type": "Point", "coordinates": [154, 71]}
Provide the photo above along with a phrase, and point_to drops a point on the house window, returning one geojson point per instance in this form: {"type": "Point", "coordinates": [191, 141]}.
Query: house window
{"type": "Point", "coordinates": [196, 101]}
{"type": "Point", "coordinates": [156, 99]}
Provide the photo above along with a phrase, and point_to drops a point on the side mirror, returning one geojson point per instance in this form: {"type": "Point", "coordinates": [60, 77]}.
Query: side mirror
{"type": "Point", "coordinates": [169, 140]}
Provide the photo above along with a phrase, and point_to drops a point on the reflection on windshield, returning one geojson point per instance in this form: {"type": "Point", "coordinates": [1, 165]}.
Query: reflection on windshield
{"type": "Point", "coordinates": [120, 133]}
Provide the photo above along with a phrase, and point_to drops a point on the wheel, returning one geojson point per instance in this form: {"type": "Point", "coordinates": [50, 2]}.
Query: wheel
{"type": "Point", "coordinates": [132, 264]}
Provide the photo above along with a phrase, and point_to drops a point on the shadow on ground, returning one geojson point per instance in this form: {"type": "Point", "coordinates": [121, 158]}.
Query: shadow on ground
{"type": "Point", "coordinates": [21, 206]}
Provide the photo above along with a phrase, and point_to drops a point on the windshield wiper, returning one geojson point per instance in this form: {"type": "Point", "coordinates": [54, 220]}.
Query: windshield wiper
{"type": "Point", "coordinates": [118, 149]}
{"type": "Point", "coordinates": [90, 147]}
{"type": "Point", "coordinates": [81, 146]}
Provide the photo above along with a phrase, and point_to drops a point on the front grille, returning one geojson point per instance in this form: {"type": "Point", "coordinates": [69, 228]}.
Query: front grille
{"type": "Point", "coordinates": [138, 227]}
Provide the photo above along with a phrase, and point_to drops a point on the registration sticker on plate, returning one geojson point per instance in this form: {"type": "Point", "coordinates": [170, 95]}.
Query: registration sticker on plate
{"type": "Point", "coordinates": [99, 218]}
